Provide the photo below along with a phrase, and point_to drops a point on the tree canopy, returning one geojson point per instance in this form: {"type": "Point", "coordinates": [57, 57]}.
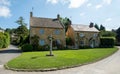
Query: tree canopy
{"type": "Point", "coordinates": [22, 31]}
{"type": "Point", "coordinates": [66, 22]}
{"type": "Point", "coordinates": [102, 28]}
{"type": "Point", "coordinates": [20, 21]}
{"type": "Point", "coordinates": [107, 34]}
{"type": "Point", "coordinates": [118, 34]}
{"type": "Point", "coordinates": [96, 26]}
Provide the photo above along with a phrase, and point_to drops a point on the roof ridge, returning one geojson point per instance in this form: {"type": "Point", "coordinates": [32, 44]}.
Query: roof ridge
{"type": "Point", "coordinates": [84, 28]}
{"type": "Point", "coordinates": [45, 22]}
{"type": "Point", "coordinates": [44, 18]}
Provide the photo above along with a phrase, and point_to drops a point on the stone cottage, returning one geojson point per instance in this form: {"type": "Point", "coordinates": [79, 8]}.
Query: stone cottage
{"type": "Point", "coordinates": [83, 35]}
{"type": "Point", "coordinates": [45, 27]}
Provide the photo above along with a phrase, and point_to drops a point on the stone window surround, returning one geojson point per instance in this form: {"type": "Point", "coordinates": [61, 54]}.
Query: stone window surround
{"type": "Point", "coordinates": [42, 31]}
{"type": "Point", "coordinates": [57, 32]}
{"type": "Point", "coordinates": [41, 42]}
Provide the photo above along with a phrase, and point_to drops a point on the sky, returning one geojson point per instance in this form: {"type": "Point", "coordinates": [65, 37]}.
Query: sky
{"type": "Point", "coordinates": [105, 12]}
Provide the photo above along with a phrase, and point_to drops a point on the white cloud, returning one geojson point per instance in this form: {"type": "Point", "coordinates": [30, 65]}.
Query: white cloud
{"type": "Point", "coordinates": [76, 3]}
{"type": "Point", "coordinates": [82, 14]}
{"type": "Point", "coordinates": [53, 1]}
{"type": "Point", "coordinates": [4, 8]}
{"type": "Point", "coordinates": [104, 2]}
{"type": "Point", "coordinates": [108, 19]}
{"type": "Point", "coordinates": [107, 1]}
{"type": "Point", "coordinates": [99, 6]}
{"type": "Point", "coordinates": [89, 4]}
{"type": "Point", "coordinates": [4, 11]}
{"type": "Point", "coordinates": [65, 1]}
{"type": "Point", "coordinates": [71, 3]}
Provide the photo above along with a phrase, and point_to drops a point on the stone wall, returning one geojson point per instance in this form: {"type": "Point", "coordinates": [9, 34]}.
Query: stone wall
{"type": "Point", "coordinates": [75, 36]}
{"type": "Point", "coordinates": [48, 32]}
{"type": "Point", "coordinates": [87, 38]}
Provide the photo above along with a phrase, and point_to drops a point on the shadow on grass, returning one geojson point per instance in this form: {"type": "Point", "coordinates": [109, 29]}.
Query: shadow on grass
{"type": "Point", "coordinates": [11, 51]}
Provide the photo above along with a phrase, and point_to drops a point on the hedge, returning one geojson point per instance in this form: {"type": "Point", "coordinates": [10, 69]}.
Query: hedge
{"type": "Point", "coordinates": [27, 48]}
{"type": "Point", "coordinates": [4, 40]}
{"type": "Point", "coordinates": [107, 42]}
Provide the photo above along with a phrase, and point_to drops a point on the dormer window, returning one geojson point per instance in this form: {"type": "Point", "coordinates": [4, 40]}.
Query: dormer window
{"type": "Point", "coordinates": [42, 31]}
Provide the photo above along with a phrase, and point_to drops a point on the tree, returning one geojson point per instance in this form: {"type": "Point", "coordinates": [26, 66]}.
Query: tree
{"type": "Point", "coordinates": [35, 41]}
{"type": "Point", "coordinates": [22, 31]}
{"type": "Point", "coordinates": [10, 31]}
{"type": "Point", "coordinates": [96, 26]}
{"type": "Point", "coordinates": [4, 40]}
{"type": "Point", "coordinates": [20, 21]}
{"type": "Point", "coordinates": [66, 22]}
{"type": "Point", "coordinates": [118, 34]}
{"type": "Point", "coordinates": [102, 28]}
{"type": "Point", "coordinates": [107, 34]}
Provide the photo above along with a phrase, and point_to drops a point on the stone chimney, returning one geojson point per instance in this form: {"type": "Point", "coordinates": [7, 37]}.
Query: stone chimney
{"type": "Point", "coordinates": [31, 14]}
{"type": "Point", "coordinates": [91, 25]}
{"type": "Point", "coordinates": [58, 16]}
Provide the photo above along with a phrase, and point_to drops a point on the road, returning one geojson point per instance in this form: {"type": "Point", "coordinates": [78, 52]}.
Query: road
{"type": "Point", "coordinates": [110, 65]}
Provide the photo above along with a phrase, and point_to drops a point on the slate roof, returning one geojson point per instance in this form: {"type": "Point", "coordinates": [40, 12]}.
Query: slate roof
{"type": "Point", "coordinates": [45, 22]}
{"type": "Point", "coordinates": [84, 28]}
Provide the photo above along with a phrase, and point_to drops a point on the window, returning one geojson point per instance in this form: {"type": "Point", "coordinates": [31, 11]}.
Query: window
{"type": "Point", "coordinates": [57, 32]}
{"type": "Point", "coordinates": [81, 35]}
{"type": "Point", "coordinates": [94, 35]}
{"type": "Point", "coordinates": [42, 42]}
{"type": "Point", "coordinates": [58, 41]}
{"type": "Point", "coordinates": [42, 31]}
{"type": "Point", "coordinates": [81, 43]}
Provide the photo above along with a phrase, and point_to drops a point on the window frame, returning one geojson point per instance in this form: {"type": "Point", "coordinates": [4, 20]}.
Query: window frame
{"type": "Point", "coordinates": [95, 35]}
{"type": "Point", "coordinates": [41, 31]}
{"type": "Point", "coordinates": [81, 35]}
{"type": "Point", "coordinates": [58, 41]}
{"type": "Point", "coordinates": [57, 32]}
{"type": "Point", "coordinates": [41, 42]}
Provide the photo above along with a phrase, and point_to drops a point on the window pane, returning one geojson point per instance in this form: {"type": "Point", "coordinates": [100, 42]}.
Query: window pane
{"type": "Point", "coordinates": [57, 32]}
{"type": "Point", "coordinates": [58, 41]}
{"type": "Point", "coordinates": [42, 42]}
{"type": "Point", "coordinates": [82, 43]}
{"type": "Point", "coordinates": [94, 35]}
{"type": "Point", "coordinates": [81, 35]}
{"type": "Point", "coordinates": [41, 31]}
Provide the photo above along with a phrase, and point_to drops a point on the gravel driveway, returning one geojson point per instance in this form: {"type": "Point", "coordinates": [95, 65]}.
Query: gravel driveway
{"type": "Point", "coordinates": [110, 65]}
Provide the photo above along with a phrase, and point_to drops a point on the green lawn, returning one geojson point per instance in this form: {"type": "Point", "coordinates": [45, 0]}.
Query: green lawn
{"type": "Point", "coordinates": [61, 59]}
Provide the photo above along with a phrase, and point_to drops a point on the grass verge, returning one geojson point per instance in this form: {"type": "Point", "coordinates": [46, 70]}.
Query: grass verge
{"type": "Point", "coordinates": [61, 59]}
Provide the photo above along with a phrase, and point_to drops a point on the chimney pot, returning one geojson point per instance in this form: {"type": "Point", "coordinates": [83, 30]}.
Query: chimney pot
{"type": "Point", "coordinates": [31, 14]}
{"type": "Point", "coordinates": [58, 16]}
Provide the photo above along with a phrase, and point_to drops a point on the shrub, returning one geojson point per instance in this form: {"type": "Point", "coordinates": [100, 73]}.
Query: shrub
{"type": "Point", "coordinates": [4, 40]}
{"type": "Point", "coordinates": [107, 42]}
{"type": "Point", "coordinates": [35, 41]}
{"type": "Point", "coordinates": [27, 48]}
{"type": "Point", "coordinates": [84, 47]}
{"type": "Point", "coordinates": [43, 48]}
{"type": "Point", "coordinates": [69, 41]}
{"type": "Point", "coordinates": [1, 41]}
